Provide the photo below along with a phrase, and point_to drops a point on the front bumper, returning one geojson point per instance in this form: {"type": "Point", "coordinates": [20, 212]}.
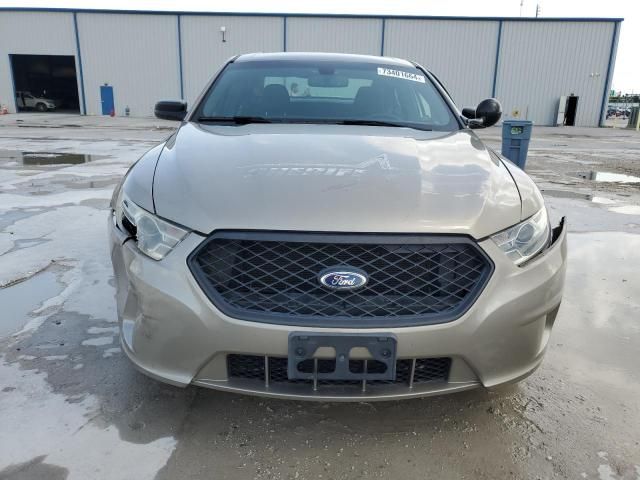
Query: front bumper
{"type": "Point", "coordinates": [172, 332]}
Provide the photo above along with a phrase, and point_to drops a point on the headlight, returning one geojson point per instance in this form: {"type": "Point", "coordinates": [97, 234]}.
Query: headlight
{"type": "Point", "coordinates": [155, 237]}
{"type": "Point", "coordinates": [523, 241]}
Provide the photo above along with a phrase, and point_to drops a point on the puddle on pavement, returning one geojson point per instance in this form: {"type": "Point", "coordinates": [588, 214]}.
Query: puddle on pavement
{"type": "Point", "coordinates": [107, 182]}
{"type": "Point", "coordinates": [578, 195]}
{"type": "Point", "coordinates": [20, 299]}
{"type": "Point", "coordinates": [13, 216]}
{"type": "Point", "coordinates": [600, 303]}
{"type": "Point", "coordinates": [597, 176]}
{"type": "Point", "coordinates": [64, 183]}
{"type": "Point", "coordinates": [626, 209]}
{"type": "Point", "coordinates": [35, 159]}
{"type": "Point", "coordinates": [567, 194]}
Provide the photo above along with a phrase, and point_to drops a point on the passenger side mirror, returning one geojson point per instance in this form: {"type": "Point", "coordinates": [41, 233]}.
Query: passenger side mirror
{"type": "Point", "coordinates": [486, 114]}
{"type": "Point", "coordinates": [171, 110]}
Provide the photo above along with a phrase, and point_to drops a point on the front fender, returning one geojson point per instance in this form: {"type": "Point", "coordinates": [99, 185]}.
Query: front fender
{"type": "Point", "coordinates": [532, 200]}
{"type": "Point", "coordinates": [138, 182]}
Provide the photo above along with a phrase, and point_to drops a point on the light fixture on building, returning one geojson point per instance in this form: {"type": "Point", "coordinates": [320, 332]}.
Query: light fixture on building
{"type": "Point", "coordinates": [223, 30]}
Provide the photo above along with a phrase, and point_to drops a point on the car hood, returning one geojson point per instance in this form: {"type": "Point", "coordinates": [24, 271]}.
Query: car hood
{"type": "Point", "coordinates": [333, 178]}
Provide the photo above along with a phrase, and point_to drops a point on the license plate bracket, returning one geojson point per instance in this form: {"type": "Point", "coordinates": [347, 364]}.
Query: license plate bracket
{"type": "Point", "coordinates": [304, 345]}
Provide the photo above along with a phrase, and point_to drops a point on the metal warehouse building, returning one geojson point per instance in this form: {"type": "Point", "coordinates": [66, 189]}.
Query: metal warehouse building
{"type": "Point", "coordinates": [94, 61]}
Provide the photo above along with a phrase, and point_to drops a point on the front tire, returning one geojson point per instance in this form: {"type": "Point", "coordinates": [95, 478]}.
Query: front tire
{"type": "Point", "coordinates": [41, 107]}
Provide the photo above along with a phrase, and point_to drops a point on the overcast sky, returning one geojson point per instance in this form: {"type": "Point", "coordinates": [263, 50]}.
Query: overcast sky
{"type": "Point", "coordinates": [627, 68]}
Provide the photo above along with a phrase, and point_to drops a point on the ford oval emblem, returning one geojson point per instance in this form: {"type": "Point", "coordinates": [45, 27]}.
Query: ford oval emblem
{"type": "Point", "coordinates": [343, 278]}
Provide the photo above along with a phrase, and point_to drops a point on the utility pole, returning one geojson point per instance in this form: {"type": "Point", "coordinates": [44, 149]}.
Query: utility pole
{"type": "Point", "coordinates": [521, 4]}
{"type": "Point", "coordinates": [537, 10]}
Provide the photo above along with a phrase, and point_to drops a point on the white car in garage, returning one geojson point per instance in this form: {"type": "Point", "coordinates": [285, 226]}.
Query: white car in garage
{"type": "Point", "coordinates": [28, 100]}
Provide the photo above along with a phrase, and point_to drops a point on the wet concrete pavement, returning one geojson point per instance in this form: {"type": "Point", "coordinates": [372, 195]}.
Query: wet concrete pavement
{"type": "Point", "coordinates": [72, 407]}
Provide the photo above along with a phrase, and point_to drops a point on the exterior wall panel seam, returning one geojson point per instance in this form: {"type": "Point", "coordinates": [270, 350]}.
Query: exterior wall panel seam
{"type": "Point", "coordinates": [80, 72]}
{"type": "Point", "coordinates": [181, 74]}
{"type": "Point", "coordinates": [384, 24]}
{"type": "Point", "coordinates": [607, 83]}
{"type": "Point", "coordinates": [495, 70]}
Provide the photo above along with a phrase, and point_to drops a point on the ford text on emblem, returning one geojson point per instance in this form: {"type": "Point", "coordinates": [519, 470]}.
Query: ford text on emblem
{"type": "Point", "coordinates": [343, 278]}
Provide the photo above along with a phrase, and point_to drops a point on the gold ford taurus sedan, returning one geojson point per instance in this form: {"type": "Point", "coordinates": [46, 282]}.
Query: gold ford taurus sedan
{"type": "Point", "coordinates": [329, 227]}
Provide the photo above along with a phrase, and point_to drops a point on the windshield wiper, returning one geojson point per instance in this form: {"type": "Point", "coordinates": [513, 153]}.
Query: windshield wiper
{"type": "Point", "coordinates": [237, 120]}
{"type": "Point", "coordinates": [381, 123]}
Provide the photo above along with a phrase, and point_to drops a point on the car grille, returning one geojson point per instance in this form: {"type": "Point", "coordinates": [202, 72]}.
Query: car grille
{"type": "Point", "coordinates": [273, 370]}
{"type": "Point", "coordinates": [273, 277]}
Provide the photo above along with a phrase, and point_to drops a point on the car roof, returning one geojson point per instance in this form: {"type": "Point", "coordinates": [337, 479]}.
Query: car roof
{"type": "Point", "coordinates": [317, 56]}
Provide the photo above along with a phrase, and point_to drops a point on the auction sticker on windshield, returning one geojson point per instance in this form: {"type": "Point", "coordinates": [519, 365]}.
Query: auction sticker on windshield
{"type": "Point", "coordinates": [390, 72]}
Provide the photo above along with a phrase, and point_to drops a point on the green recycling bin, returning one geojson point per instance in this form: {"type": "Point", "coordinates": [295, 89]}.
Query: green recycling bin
{"type": "Point", "coordinates": [515, 140]}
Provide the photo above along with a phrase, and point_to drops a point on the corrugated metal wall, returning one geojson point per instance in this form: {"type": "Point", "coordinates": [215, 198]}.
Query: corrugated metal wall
{"type": "Point", "coordinates": [136, 54]}
{"type": "Point", "coordinates": [139, 54]}
{"type": "Point", "coordinates": [344, 35]}
{"type": "Point", "coordinates": [460, 53]}
{"type": "Point", "coordinates": [541, 61]}
{"type": "Point", "coordinates": [203, 50]}
{"type": "Point", "coordinates": [32, 33]}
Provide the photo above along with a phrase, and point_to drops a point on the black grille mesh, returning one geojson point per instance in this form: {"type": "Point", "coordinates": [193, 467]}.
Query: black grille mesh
{"type": "Point", "coordinates": [277, 278]}
{"type": "Point", "coordinates": [253, 367]}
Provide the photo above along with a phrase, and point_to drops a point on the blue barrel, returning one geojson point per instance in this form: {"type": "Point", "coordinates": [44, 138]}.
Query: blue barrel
{"type": "Point", "coordinates": [515, 140]}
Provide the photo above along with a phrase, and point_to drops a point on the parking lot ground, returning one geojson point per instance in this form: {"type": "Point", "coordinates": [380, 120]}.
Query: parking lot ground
{"type": "Point", "coordinates": [72, 406]}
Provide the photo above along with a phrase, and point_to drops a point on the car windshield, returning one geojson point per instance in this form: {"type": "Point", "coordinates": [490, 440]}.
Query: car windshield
{"type": "Point", "coordinates": [325, 92]}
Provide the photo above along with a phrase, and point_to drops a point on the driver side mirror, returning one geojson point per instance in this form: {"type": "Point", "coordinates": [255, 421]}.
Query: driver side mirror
{"type": "Point", "coordinates": [486, 114]}
{"type": "Point", "coordinates": [171, 110]}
